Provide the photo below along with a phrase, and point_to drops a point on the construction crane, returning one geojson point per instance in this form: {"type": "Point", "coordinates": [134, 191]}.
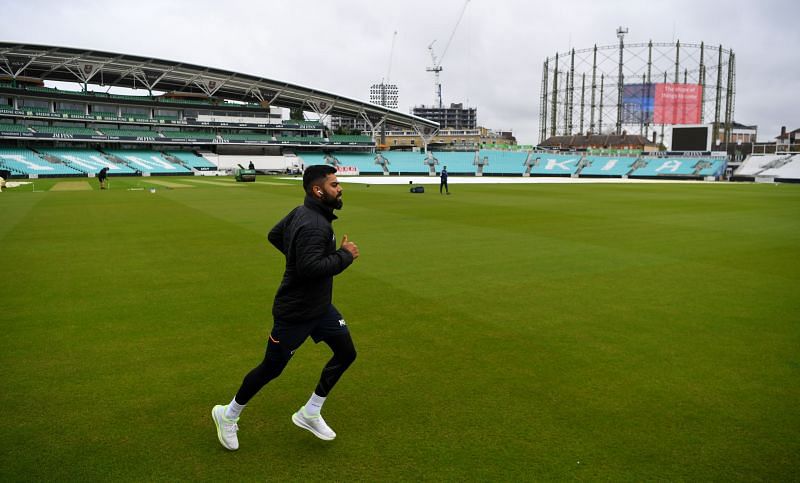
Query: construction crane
{"type": "Point", "coordinates": [391, 54]}
{"type": "Point", "coordinates": [437, 63]}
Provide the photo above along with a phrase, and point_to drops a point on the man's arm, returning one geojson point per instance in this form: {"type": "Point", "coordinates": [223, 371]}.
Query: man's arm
{"type": "Point", "coordinates": [275, 235]}
{"type": "Point", "coordinates": [311, 261]}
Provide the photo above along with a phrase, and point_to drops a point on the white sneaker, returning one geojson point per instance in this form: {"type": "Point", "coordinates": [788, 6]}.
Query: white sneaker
{"type": "Point", "coordinates": [226, 428]}
{"type": "Point", "coordinates": [315, 424]}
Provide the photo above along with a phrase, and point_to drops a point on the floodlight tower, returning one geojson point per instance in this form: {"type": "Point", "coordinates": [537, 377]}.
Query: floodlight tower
{"type": "Point", "coordinates": [620, 81]}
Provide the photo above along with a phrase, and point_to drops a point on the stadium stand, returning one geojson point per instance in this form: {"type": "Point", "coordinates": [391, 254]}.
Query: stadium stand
{"type": "Point", "coordinates": [456, 162]}
{"type": "Point", "coordinates": [33, 109]}
{"type": "Point", "coordinates": [399, 162]}
{"type": "Point", "coordinates": [148, 162]}
{"type": "Point", "coordinates": [247, 137]}
{"type": "Point", "coordinates": [65, 130]}
{"type": "Point", "coordinates": [191, 159]}
{"type": "Point", "coordinates": [777, 166]}
{"type": "Point", "coordinates": [654, 167]}
{"type": "Point", "coordinates": [87, 161]}
{"type": "Point", "coordinates": [555, 164]}
{"type": "Point", "coordinates": [504, 162]}
{"type": "Point", "coordinates": [710, 167]}
{"type": "Point", "coordinates": [302, 124]}
{"type": "Point", "coordinates": [754, 165]}
{"type": "Point", "coordinates": [136, 117]}
{"type": "Point", "coordinates": [607, 166]}
{"type": "Point", "coordinates": [500, 162]}
{"type": "Point", "coordinates": [204, 135]}
{"type": "Point", "coordinates": [71, 112]}
{"type": "Point", "coordinates": [300, 139]}
{"type": "Point", "coordinates": [785, 168]}
{"type": "Point", "coordinates": [129, 132]}
{"type": "Point", "coordinates": [28, 162]}
{"type": "Point", "coordinates": [347, 139]}
{"type": "Point", "coordinates": [757, 165]}
{"type": "Point", "coordinates": [6, 127]}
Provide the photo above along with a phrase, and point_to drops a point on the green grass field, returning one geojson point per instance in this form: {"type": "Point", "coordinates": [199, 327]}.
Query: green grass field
{"type": "Point", "coordinates": [505, 333]}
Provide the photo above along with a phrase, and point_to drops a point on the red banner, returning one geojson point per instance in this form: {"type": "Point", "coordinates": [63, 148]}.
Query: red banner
{"type": "Point", "coordinates": [677, 104]}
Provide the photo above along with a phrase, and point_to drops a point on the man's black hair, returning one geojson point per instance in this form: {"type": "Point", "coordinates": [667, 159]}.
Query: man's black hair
{"type": "Point", "coordinates": [315, 173]}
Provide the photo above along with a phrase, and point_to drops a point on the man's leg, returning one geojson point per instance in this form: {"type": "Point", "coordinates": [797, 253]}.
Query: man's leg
{"type": "Point", "coordinates": [344, 353]}
{"type": "Point", "coordinates": [308, 417]}
{"type": "Point", "coordinates": [226, 417]}
{"type": "Point", "coordinates": [275, 360]}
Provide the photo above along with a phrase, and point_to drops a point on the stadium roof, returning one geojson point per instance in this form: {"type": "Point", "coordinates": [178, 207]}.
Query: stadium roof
{"type": "Point", "coordinates": [67, 64]}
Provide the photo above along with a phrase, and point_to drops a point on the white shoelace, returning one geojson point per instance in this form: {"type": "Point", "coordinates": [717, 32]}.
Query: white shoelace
{"type": "Point", "coordinates": [230, 427]}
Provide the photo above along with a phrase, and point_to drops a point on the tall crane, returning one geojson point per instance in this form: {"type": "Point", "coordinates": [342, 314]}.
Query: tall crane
{"type": "Point", "coordinates": [391, 54]}
{"type": "Point", "coordinates": [437, 63]}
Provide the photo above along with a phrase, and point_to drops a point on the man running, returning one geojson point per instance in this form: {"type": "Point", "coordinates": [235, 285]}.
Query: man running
{"type": "Point", "coordinates": [302, 305]}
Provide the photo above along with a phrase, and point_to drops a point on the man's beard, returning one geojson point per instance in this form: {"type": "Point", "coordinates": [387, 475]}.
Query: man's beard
{"type": "Point", "coordinates": [334, 202]}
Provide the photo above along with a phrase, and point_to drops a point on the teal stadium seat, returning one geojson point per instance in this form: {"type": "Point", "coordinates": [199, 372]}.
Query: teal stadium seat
{"type": "Point", "coordinates": [27, 162]}
{"type": "Point", "coordinates": [607, 166]}
{"type": "Point", "coordinates": [504, 162]}
{"type": "Point", "coordinates": [555, 164]}
{"type": "Point", "coordinates": [404, 162]}
{"type": "Point", "coordinates": [86, 160]}
{"type": "Point", "coordinates": [710, 167]}
{"type": "Point", "coordinates": [666, 167]}
{"type": "Point", "coordinates": [192, 160]}
{"type": "Point", "coordinates": [148, 161]}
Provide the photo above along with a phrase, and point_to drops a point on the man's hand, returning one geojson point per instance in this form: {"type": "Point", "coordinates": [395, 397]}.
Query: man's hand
{"type": "Point", "coordinates": [350, 247]}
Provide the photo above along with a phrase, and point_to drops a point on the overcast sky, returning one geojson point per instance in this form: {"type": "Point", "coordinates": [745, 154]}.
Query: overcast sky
{"type": "Point", "coordinates": [494, 62]}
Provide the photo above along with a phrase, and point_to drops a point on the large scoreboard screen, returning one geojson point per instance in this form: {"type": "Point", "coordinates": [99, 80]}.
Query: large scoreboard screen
{"type": "Point", "coordinates": [690, 138]}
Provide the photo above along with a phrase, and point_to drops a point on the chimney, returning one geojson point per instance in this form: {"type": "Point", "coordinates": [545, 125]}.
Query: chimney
{"type": "Point", "coordinates": [783, 132]}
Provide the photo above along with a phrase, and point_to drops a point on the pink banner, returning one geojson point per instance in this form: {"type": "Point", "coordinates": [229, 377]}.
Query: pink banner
{"type": "Point", "coordinates": [677, 104]}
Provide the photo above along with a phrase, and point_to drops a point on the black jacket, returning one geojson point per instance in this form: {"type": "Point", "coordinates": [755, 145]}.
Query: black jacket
{"type": "Point", "coordinates": [305, 236]}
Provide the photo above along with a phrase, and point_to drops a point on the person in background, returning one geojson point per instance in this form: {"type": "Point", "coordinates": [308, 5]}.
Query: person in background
{"type": "Point", "coordinates": [102, 176]}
